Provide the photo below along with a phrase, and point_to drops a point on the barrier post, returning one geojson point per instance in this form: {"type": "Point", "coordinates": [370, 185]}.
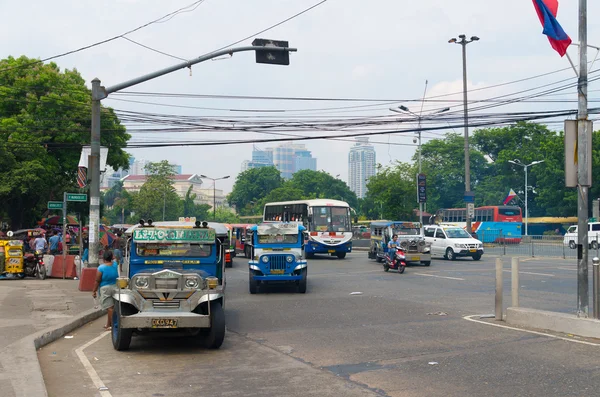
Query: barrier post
{"type": "Point", "coordinates": [499, 286]}
{"type": "Point", "coordinates": [515, 281]}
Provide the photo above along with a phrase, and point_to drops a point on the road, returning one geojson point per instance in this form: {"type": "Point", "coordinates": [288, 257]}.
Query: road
{"type": "Point", "coordinates": [404, 335]}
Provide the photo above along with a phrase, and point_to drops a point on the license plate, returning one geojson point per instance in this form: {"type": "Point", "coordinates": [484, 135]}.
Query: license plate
{"type": "Point", "coordinates": [276, 271]}
{"type": "Point", "coordinates": [331, 251]}
{"type": "Point", "coordinates": [415, 258]}
{"type": "Point", "coordinates": [473, 250]}
{"type": "Point", "coordinates": [164, 323]}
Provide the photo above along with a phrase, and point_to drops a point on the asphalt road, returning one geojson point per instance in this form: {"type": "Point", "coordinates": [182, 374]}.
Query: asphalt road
{"type": "Point", "coordinates": [404, 335]}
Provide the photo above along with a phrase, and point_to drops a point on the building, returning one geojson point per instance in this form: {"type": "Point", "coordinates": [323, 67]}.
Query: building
{"type": "Point", "coordinates": [361, 166]}
{"type": "Point", "coordinates": [287, 158]}
{"type": "Point", "coordinates": [181, 184]}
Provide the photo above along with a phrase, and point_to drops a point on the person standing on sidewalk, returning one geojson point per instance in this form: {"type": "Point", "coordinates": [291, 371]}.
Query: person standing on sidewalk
{"type": "Point", "coordinates": [106, 281]}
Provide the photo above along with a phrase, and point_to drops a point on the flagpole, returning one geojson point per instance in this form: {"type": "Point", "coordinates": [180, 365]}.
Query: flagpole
{"type": "Point", "coordinates": [583, 176]}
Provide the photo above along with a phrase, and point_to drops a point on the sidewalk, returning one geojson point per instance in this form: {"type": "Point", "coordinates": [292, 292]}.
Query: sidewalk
{"type": "Point", "coordinates": [35, 312]}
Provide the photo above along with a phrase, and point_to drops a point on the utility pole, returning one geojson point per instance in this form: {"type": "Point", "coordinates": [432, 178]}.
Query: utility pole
{"type": "Point", "coordinates": [583, 179]}
{"type": "Point", "coordinates": [214, 193]}
{"type": "Point", "coordinates": [267, 51]}
{"type": "Point", "coordinates": [468, 195]}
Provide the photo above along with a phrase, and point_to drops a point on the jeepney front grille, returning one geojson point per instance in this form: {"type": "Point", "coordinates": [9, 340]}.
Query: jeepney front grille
{"type": "Point", "coordinates": [174, 304]}
{"type": "Point", "coordinates": [277, 262]}
{"type": "Point", "coordinates": [166, 283]}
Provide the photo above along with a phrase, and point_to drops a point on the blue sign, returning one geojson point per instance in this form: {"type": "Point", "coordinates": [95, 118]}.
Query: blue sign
{"type": "Point", "coordinates": [422, 188]}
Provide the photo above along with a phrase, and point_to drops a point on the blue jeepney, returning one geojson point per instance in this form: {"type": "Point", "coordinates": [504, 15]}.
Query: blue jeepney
{"type": "Point", "coordinates": [175, 279]}
{"type": "Point", "coordinates": [277, 255]}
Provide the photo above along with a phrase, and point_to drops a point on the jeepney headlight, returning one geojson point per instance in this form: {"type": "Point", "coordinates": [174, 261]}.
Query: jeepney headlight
{"type": "Point", "coordinates": [265, 259]}
{"type": "Point", "coordinates": [212, 282]}
{"type": "Point", "coordinates": [192, 283]}
{"type": "Point", "coordinates": [289, 258]}
{"type": "Point", "coordinates": [141, 282]}
{"type": "Point", "coordinates": [427, 249]}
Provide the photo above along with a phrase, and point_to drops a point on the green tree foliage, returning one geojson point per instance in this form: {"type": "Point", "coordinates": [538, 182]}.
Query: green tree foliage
{"type": "Point", "coordinates": [157, 198]}
{"type": "Point", "coordinates": [391, 193]}
{"type": "Point", "coordinates": [253, 185]}
{"type": "Point", "coordinates": [44, 119]}
{"type": "Point", "coordinates": [320, 184]}
{"type": "Point", "coordinates": [225, 215]}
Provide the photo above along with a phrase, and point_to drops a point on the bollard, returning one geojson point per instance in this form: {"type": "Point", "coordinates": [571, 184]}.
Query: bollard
{"type": "Point", "coordinates": [514, 283]}
{"type": "Point", "coordinates": [499, 285]}
{"type": "Point", "coordinates": [596, 277]}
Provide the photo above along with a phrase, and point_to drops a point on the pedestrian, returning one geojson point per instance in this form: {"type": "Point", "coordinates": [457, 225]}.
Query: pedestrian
{"type": "Point", "coordinates": [40, 244]}
{"type": "Point", "coordinates": [53, 243]}
{"type": "Point", "coordinates": [106, 281]}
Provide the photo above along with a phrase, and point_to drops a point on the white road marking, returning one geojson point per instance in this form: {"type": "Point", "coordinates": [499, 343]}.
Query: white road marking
{"type": "Point", "coordinates": [534, 274]}
{"type": "Point", "coordinates": [88, 366]}
{"type": "Point", "coordinates": [567, 268]}
{"type": "Point", "coordinates": [469, 318]}
{"type": "Point", "coordinates": [435, 275]}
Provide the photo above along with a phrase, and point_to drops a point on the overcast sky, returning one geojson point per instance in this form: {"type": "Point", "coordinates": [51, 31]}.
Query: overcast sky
{"type": "Point", "coordinates": [377, 49]}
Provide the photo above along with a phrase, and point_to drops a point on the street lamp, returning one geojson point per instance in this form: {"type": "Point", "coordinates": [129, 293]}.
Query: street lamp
{"type": "Point", "coordinates": [463, 42]}
{"type": "Point", "coordinates": [404, 110]}
{"type": "Point", "coordinates": [525, 166]}
{"type": "Point", "coordinates": [214, 193]}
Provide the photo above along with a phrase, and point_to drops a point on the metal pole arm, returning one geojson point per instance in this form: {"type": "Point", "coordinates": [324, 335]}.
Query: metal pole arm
{"type": "Point", "coordinates": [106, 91]}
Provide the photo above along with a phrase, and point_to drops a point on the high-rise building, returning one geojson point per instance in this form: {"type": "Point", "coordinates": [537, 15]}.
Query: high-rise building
{"type": "Point", "coordinates": [304, 160]}
{"type": "Point", "coordinates": [361, 166]}
{"type": "Point", "coordinates": [287, 158]}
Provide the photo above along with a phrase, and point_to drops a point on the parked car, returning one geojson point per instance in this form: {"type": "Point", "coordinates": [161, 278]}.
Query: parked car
{"type": "Point", "coordinates": [570, 238]}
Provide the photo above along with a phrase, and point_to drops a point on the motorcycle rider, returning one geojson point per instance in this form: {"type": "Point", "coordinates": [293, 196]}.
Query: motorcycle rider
{"type": "Point", "coordinates": [392, 246]}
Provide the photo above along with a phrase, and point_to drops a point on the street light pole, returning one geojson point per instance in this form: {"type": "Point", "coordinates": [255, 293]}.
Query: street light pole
{"type": "Point", "coordinates": [214, 193]}
{"type": "Point", "coordinates": [463, 42]}
{"type": "Point", "coordinates": [525, 167]}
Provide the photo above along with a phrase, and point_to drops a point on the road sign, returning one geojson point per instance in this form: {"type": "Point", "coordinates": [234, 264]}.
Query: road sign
{"type": "Point", "coordinates": [471, 210]}
{"type": "Point", "coordinates": [469, 197]}
{"type": "Point", "coordinates": [272, 57]}
{"type": "Point", "coordinates": [55, 205]}
{"type": "Point", "coordinates": [422, 188]}
{"type": "Point", "coordinates": [76, 197]}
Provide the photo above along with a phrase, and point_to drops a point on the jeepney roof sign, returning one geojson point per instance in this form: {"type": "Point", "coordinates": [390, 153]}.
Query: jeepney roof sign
{"type": "Point", "coordinates": [157, 235]}
{"type": "Point", "coordinates": [277, 228]}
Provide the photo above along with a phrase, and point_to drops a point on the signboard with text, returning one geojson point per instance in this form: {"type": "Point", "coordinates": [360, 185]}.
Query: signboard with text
{"type": "Point", "coordinates": [422, 188]}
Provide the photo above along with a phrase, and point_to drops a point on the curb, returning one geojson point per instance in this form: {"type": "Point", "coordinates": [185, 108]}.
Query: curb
{"type": "Point", "coordinates": [19, 360]}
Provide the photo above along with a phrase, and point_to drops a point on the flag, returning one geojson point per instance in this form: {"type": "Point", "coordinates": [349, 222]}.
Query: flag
{"type": "Point", "coordinates": [82, 177]}
{"type": "Point", "coordinates": [511, 195]}
{"type": "Point", "coordinates": [547, 11]}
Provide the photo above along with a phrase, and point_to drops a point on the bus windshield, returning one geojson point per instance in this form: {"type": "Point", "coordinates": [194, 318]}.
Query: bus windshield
{"type": "Point", "coordinates": [173, 249]}
{"type": "Point", "coordinates": [331, 219]}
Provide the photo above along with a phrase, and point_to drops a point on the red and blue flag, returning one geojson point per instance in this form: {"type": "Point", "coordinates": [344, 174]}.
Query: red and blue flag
{"type": "Point", "coordinates": [547, 11]}
{"type": "Point", "coordinates": [511, 195]}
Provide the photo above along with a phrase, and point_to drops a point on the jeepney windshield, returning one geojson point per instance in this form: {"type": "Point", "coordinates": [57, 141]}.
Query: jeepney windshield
{"type": "Point", "coordinates": [407, 232]}
{"type": "Point", "coordinates": [174, 249]}
{"type": "Point", "coordinates": [277, 238]}
{"type": "Point", "coordinates": [331, 219]}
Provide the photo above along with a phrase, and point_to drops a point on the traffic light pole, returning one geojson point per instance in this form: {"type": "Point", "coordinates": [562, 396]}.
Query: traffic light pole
{"type": "Point", "coordinates": [99, 93]}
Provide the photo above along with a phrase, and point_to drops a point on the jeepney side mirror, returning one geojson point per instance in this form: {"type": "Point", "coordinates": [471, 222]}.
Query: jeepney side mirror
{"type": "Point", "coordinates": [310, 219]}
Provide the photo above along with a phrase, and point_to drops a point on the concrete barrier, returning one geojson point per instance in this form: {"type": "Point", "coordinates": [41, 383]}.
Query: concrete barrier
{"type": "Point", "coordinates": [553, 321]}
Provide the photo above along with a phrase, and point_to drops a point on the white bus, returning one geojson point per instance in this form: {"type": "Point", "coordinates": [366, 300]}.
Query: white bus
{"type": "Point", "coordinates": [328, 223]}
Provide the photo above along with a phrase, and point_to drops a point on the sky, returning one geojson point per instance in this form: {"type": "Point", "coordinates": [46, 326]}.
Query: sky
{"type": "Point", "coordinates": [382, 50]}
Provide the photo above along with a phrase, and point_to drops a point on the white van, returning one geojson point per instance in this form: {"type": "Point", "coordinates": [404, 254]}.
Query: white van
{"type": "Point", "coordinates": [570, 238]}
{"type": "Point", "coordinates": [452, 242]}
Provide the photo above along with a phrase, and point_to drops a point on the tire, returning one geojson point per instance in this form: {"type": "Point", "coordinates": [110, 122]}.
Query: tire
{"type": "Point", "coordinates": [476, 257]}
{"type": "Point", "coordinates": [572, 245]}
{"type": "Point", "coordinates": [213, 339]}
{"type": "Point", "coordinates": [121, 337]}
{"type": "Point", "coordinates": [309, 256]}
{"type": "Point", "coordinates": [450, 254]}
{"type": "Point", "coordinates": [302, 283]}
{"type": "Point", "coordinates": [401, 269]}
{"type": "Point", "coordinates": [594, 245]}
{"type": "Point", "coordinates": [229, 265]}
{"type": "Point", "coordinates": [386, 267]}
{"type": "Point", "coordinates": [252, 283]}
{"type": "Point", "coordinates": [341, 255]}
{"type": "Point", "coordinates": [41, 274]}
{"type": "Point", "coordinates": [426, 263]}
{"type": "Point", "coordinates": [379, 259]}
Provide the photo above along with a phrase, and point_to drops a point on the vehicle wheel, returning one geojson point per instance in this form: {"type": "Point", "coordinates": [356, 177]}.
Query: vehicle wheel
{"type": "Point", "coordinates": [450, 254]}
{"type": "Point", "coordinates": [21, 275]}
{"type": "Point", "coordinates": [302, 283]}
{"type": "Point", "coordinates": [230, 264]}
{"type": "Point", "coordinates": [41, 273]}
{"type": "Point", "coordinates": [572, 245]}
{"type": "Point", "coordinates": [476, 257]}
{"type": "Point", "coordinates": [379, 259]}
{"type": "Point", "coordinates": [213, 339]}
{"type": "Point", "coordinates": [426, 263]}
{"type": "Point", "coordinates": [252, 283]}
{"type": "Point", "coordinates": [341, 255]}
{"type": "Point", "coordinates": [594, 245]}
{"type": "Point", "coordinates": [401, 269]}
{"type": "Point", "coordinates": [121, 337]}
{"type": "Point", "coordinates": [386, 267]}
{"type": "Point", "coordinates": [309, 256]}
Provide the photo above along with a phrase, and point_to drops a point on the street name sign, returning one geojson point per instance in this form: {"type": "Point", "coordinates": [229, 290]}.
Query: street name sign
{"type": "Point", "coordinates": [55, 205]}
{"type": "Point", "coordinates": [76, 197]}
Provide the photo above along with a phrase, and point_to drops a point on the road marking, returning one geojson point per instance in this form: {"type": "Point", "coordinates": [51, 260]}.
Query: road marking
{"type": "Point", "coordinates": [469, 318]}
{"type": "Point", "coordinates": [88, 366]}
{"type": "Point", "coordinates": [567, 268]}
{"type": "Point", "coordinates": [435, 275]}
{"type": "Point", "coordinates": [532, 273]}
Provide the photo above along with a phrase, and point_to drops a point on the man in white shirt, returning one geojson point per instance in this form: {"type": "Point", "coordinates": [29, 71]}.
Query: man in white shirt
{"type": "Point", "coordinates": [40, 244]}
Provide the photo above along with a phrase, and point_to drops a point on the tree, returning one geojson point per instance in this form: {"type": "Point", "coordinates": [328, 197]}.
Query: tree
{"type": "Point", "coordinates": [320, 184]}
{"type": "Point", "coordinates": [45, 117]}
{"type": "Point", "coordinates": [157, 198]}
{"type": "Point", "coordinates": [251, 186]}
{"type": "Point", "coordinates": [284, 193]}
{"type": "Point", "coordinates": [392, 193]}
{"type": "Point", "coordinates": [226, 215]}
